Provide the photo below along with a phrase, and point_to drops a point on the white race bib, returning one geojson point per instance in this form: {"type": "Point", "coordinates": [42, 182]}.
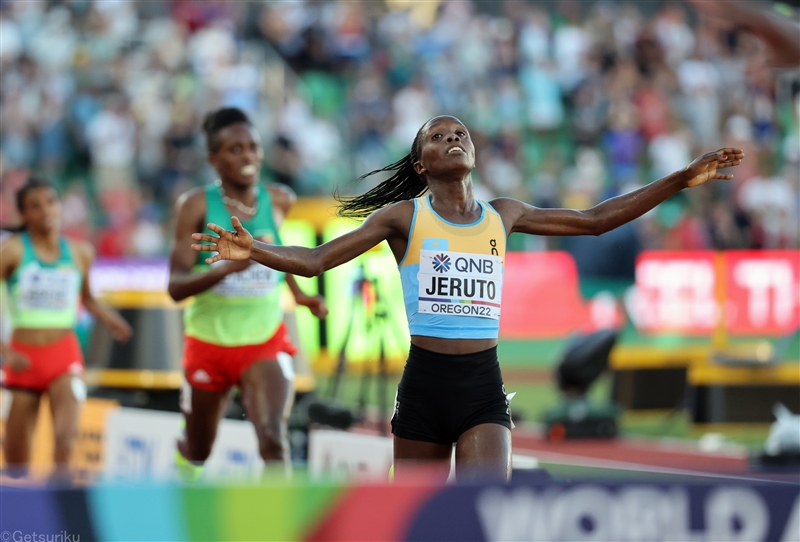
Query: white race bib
{"type": "Point", "coordinates": [255, 281]}
{"type": "Point", "coordinates": [460, 284]}
{"type": "Point", "coordinates": [48, 288]}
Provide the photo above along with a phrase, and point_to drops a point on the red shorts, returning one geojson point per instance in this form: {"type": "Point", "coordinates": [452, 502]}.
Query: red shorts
{"type": "Point", "coordinates": [212, 367]}
{"type": "Point", "coordinates": [48, 362]}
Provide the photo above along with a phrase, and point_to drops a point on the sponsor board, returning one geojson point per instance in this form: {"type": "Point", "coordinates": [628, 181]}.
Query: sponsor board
{"type": "Point", "coordinates": [763, 291]}
{"type": "Point", "coordinates": [675, 292]}
{"type": "Point", "coordinates": [641, 511]}
{"type": "Point", "coordinates": [754, 292]}
{"type": "Point", "coordinates": [142, 444]}
{"type": "Point", "coordinates": [344, 455]}
{"type": "Point", "coordinates": [620, 512]}
{"type": "Point", "coordinates": [348, 456]}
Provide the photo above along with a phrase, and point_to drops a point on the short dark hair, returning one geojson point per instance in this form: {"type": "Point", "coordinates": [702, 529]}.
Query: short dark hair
{"type": "Point", "coordinates": [32, 184]}
{"type": "Point", "coordinates": [216, 121]}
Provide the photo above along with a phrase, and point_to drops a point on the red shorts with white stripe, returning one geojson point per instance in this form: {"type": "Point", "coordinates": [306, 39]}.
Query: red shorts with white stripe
{"type": "Point", "coordinates": [212, 367]}
{"type": "Point", "coordinates": [48, 362]}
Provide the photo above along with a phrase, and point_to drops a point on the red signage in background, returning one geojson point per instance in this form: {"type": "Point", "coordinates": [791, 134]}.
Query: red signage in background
{"type": "Point", "coordinates": [763, 291]}
{"type": "Point", "coordinates": [541, 297]}
{"type": "Point", "coordinates": [674, 293]}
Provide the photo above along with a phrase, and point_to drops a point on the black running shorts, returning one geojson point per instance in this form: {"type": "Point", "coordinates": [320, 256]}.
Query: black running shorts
{"type": "Point", "coordinates": [441, 396]}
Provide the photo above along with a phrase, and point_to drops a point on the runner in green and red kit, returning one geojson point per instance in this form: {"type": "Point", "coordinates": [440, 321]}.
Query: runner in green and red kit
{"type": "Point", "coordinates": [47, 277]}
{"type": "Point", "coordinates": [234, 329]}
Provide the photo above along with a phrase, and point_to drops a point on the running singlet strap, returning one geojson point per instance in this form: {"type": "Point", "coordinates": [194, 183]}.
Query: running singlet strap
{"type": "Point", "coordinates": [44, 295]}
{"type": "Point", "coordinates": [243, 308]}
{"type": "Point", "coordinates": [452, 274]}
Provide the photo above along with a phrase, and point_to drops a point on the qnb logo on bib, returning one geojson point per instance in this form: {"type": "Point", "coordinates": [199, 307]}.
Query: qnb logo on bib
{"type": "Point", "coordinates": [441, 263]}
{"type": "Point", "coordinates": [460, 284]}
{"type": "Point", "coordinates": [48, 288]}
{"type": "Point", "coordinates": [255, 281]}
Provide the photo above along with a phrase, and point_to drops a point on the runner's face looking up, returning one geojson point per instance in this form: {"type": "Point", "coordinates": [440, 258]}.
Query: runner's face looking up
{"type": "Point", "coordinates": [238, 156]}
{"type": "Point", "coordinates": [41, 210]}
{"type": "Point", "coordinates": [445, 148]}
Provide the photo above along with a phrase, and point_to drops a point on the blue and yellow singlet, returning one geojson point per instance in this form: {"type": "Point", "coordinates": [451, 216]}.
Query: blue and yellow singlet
{"type": "Point", "coordinates": [452, 274]}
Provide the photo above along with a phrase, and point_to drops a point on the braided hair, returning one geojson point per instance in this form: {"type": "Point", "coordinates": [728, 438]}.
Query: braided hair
{"type": "Point", "coordinates": [405, 184]}
{"type": "Point", "coordinates": [216, 121]}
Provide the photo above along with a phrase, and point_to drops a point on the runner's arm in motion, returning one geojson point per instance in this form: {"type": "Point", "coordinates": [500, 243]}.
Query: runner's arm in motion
{"type": "Point", "coordinates": [119, 327]}
{"type": "Point", "coordinates": [617, 211]}
{"type": "Point", "coordinates": [315, 303]}
{"type": "Point", "coordinates": [183, 282]}
{"type": "Point", "coordinates": [283, 198]}
{"type": "Point", "coordinates": [307, 262]}
{"type": "Point", "coordinates": [10, 256]}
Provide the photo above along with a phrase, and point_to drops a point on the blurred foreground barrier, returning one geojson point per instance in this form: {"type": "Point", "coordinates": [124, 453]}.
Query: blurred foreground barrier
{"type": "Point", "coordinates": [527, 509]}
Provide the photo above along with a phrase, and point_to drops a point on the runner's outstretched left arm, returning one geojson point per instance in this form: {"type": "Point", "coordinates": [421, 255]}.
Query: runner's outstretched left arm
{"type": "Point", "coordinates": [615, 212]}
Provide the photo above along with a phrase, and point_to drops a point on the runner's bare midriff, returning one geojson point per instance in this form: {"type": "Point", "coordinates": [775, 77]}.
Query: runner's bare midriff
{"type": "Point", "coordinates": [452, 346]}
{"type": "Point", "coordinates": [39, 336]}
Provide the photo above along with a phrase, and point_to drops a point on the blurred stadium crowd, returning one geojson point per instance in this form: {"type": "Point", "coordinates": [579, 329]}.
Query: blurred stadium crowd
{"type": "Point", "coordinates": [568, 103]}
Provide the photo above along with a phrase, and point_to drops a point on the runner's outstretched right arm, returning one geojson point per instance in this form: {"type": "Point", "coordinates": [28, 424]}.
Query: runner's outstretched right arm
{"type": "Point", "coordinates": [238, 245]}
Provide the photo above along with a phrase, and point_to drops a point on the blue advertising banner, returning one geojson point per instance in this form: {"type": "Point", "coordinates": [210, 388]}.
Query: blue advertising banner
{"type": "Point", "coordinates": [532, 508]}
{"type": "Point", "coordinates": [639, 512]}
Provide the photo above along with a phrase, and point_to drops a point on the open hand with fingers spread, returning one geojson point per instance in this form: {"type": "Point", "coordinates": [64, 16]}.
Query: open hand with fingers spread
{"type": "Point", "coordinates": [706, 167]}
{"type": "Point", "coordinates": [229, 245]}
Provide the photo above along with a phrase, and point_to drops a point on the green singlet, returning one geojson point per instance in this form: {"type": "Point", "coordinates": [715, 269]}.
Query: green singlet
{"type": "Point", "coordinates": [244, 308]}
{"type": "Point", "coordinates": [44, 295]}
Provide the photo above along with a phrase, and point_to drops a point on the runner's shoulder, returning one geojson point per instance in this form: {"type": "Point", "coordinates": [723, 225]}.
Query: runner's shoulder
{"type": "Point", "coordinates": [191, 197]}
{"type": "Point", "coordinates": [82, 250]}
{"type": "Point", "coordinates": [401, 209]}
{"type": "Point", "coordinates": [11, 249]}
{"type": "Point", "coordinates": [282, 195]}
{"type": "Point", "coordinates": [192, 204]}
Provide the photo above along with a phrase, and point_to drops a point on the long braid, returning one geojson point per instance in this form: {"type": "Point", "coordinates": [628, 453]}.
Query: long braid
{"type": "Point", "coordinates": [405, 184]}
